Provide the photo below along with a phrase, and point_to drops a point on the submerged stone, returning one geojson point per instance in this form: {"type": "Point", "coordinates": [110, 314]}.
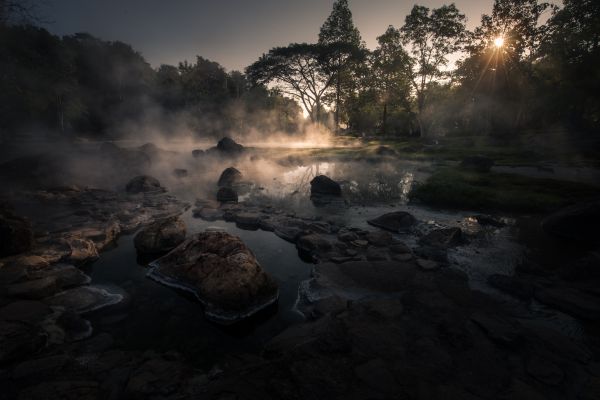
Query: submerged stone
{"type": "Point", "coordinates": [222, 272]}
{"type": "Point", "coordinates": [84, 299]}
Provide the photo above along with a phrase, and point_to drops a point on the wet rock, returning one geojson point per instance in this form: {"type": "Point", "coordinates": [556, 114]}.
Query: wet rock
{"type": "Point", "coordinates": [477, 163]}
{"type": "Point", "coordinates": [427, 265]}
{"type": "Point", "coordinates": [83, 299]}
{"type": "Point", "coordinates": [250, 221]}
{"type": "Point", "coordinates": [487, 220]}
{"type": "Point", "coordinates": [577, 223]}
{"type": "Point", "coordinates": [25, 311]}
{"type": "Point", "coordinates": [400, 248]}
{"type": "Point", "coordinates": [74, 327]}
{"type": "Point", "coordinates": [223, 274]}
{"type": "Point", "coordinates": [180, 172]}
{"type": "Point", "coordinates": [571, 301]}
{"type": "Point", "coordinates": [443, 238]}
{"type": "Point", "coordinates": [81, 250]}
{"type": "Point", "coordinates": [313, 244]}
{"type": "Point", "coordinates": [346, 235]}
{"type": "Point", "coordinates": [394, 222]}
{"type": "Point", "coordinates": [33, 289]}
{"type": "Point", "coordinates": [161, 236]}
{"type": "Point", "coordinates": [19, 340]}
{"type": "Point", "coordinates": [379, 238]}
{"type": "Point", "coordinates": [519, 288]}
{"type": "Point", "coordinates": [227, 195]}
{"type": "Point", "coordinates": [404, 257]}
{"type": "Point", "coordinates": [16, 235]}
{"type": "Point", "coordinates": [362, 244]}
{"type": "Point", "coordinates": [40, 366]}
{"type": "Point", "coordinates": [544, 370]}
{"type": "Point", "coordinates": [289, 234]}
{"type": "Point", "coordinates": [144, 184]}
{"type": "Point", "coordinates": [62, 390]}
{"type": "Point", "coordinates": [497, 328]}
{"type": "Point", "coordinates": [229, 146]}
{"type": "Point", "coordinates": [197, 153]}
{"type": "Point", "coordinates": [376, 254]}
{"type": "Point", "coordinates": [208, 213]}
{"type": "Point", "coordinates": [324, 186]}
{"type": "Point", "coordinates": [156, 377]}
{"type": "Point", "coordinates": [229, 177]}
{"type": "Point", "coordinates": [432, 253]}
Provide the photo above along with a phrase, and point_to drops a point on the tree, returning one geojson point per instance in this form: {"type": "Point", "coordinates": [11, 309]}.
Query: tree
{"type": "Point", "coordinates": [297, 71]}
{"type": "Point", "coordinates": [391, 72]}
{"type": "Point", "coordinates": [432, 36]}
{"type": "Point", "coordinates": [341, 39]}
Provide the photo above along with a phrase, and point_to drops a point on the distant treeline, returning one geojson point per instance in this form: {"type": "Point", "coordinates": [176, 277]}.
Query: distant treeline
{"type": "Point", "coordinates": [80, 84]}
{"type": "Point", "coordinates": [529, 66]}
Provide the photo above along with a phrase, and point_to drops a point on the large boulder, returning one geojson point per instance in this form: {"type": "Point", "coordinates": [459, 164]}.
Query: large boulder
{"type": "Point", "coordinates": [229, 146]}
{"type": "Point", "coordinates": [578, 223]}
{"type": "Point", "coordinates": [144, 184]}
{"type": "Point", "coordinates": [227, 195]}
{"type": "Point", "coordinates": [477, 163]}
{"type": "Point", "coordinates": [161, 236]}
{"type": "Point", "coordinates": [443, 238]}
{"type": "Point", "coordinates": [16, 235]}
{"type": "Point", "coordinates": [394, 222]}
{"type": "Point", "coordinates": [222, 272]}
{"type": "Point", "coordinates": [322, 185]}
{"type": "Point", "coordinates": [229, 177]}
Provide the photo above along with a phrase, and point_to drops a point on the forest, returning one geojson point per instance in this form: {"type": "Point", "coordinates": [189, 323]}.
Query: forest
{"type": "Point", "coordinates": [528, 67]}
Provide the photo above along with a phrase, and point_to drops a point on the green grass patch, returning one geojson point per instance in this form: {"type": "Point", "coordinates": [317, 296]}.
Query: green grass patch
{"type": "Point", "coordinates": [458, 189]}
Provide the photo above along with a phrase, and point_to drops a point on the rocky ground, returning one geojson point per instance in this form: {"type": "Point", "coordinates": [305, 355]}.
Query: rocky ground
{"type": "Point", "coordinates": [384, 320]}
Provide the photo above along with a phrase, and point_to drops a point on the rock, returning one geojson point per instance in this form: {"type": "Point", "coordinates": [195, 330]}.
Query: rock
{"type": "Point", "coordinates": [345, 235]}
{"type": "Point", "coordinates": [229, 146]}
{"type": "Point", "coordinates": [227, 195]}
{"type": "Point", "coordinates": [84, 299]}
{"type": "Point", "coordinates": [379, 238]}
{"type": "Point", "coordinates": [360, 243]}
{"type": "Point", "coordinates": [19, 340]}
{"type": "Point", "coordinates": [544, 371]}
{"type": "Point", "coordinates": [443, 238]}
{"type": "Point", "coordinates": [144, 184]}
{"type": "Point", "coordinates": [376, 375]}
{"type": "Point", "coordinates": [16, 235]}
{"type": "Point", "coordinates": [82, 250]}
{"type": "Point", "coordinates": [197, 153]}
{"type": "Point", "coordinates": [385, 151]}
{"type": "Point", "coordinates": [376, 254]}
{"type": "Point", "coordinates": [156, 378]}
{"type": "Point", "coordinates": [40, 366]}
{"type": "Point", "coordinates": [223, 274]}
{"type": "Point", "coordinates": [400, 248]}
{"type": "Point", "coordinates": [313, 244]}
{"type": "Point", "coordinates": [488, 220]}
{"type": "Point", "coordinates": [74, 327]}
{"type": "Point", "coordinates": [180, 172]}
{"type": "Point", "coordinates": [571, 301]}
{"type": "Point", "coordinates": [33, 289]}
{"type": "Point", "coordinates": [229, 177]}
{"type": "Point", "coordinates": [161, 236]}
{"type": "Point", "coordinates": [519, 288]}
{"type": "Point", "coordinates": [289, 234]}
{"type": "Point", "coordinates": [404, 257]}
{"type": "Point", "coordinates": [394, 222]}
{"type": "Point", "coordinates": [63, 389]}
{"type": "Point", "coordinates": [477, 163]}
{"type": "Point", "coordinates": [322, 185]}
{"type": "Point", "coordinates": [427, 265]}
{"type": "Point", "coordinates": [25, 311]}
{"type": "Point", "coordinates": [497, 328]}
{"type": "Point", "coordinates": [250, 221]}
{"type": "Point", "coordinates": [578, 223]}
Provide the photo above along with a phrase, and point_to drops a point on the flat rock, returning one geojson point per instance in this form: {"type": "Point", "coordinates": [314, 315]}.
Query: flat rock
{"type": "Point", "coordinates": [427, 265]}
{"type": "Point", "coordinates": [379, 238]}
{"type": "Point", "coordinates": [26, 311]}
{"type": "Point", "coordinates": [161, 236]}
{"type": "Point", "coordinates": [394, 222]}
{"type": "Point", "coordinates": [223, 274]}
{"type": "Point", "coordinates": [443, 238]}
{"type": "Point", "coordinates": [33, 289]}
{"type": "Point", "coordinates": [84, 299]}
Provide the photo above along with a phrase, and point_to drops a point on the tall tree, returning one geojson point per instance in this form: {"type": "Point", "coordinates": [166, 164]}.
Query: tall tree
{"type": "Point", "coordinates": [342, 40]}
{"type": "Point", "coordinates": [297, 71]}
{"type": "Point", "coordinates": [432, 36]}
{"type": "Point", "coordinates": [391, 72]}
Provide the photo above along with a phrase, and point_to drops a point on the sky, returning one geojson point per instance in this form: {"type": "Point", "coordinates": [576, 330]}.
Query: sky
{"type": "Point", "coordinates": [232, 32]}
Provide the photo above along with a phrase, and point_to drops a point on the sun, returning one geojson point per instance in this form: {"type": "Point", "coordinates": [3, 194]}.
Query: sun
{"type": "Point", "coordinates": [499, 42]}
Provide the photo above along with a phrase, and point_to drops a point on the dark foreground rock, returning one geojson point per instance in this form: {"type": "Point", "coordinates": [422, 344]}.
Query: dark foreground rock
{"type": "Point", "coordinates": [161, 236]}
{"type": "Point", "coordinates": [394, 222]}
{"type": "Point", "coordinates": [227, 195]}
{"type": "Point", "coordinates": [324, 186]}
{"type": "Point", "coordinates": [144, 184]}
{"type": "Point", "coordinates": [16, 235]}
{"type": "Point", "coordinates": [577, 223]}
{"type": "Point", "coordinates": [229, 177]}
{"type": "Point", "coordinates": [229, 146]}
{"type": "Point", "coordinates": [443, 238]}
{"type": "Point", "coordinates": [223, 274]}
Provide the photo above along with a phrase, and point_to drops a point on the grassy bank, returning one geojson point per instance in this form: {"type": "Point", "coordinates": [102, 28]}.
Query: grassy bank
{"type": "Point", "coordinates": [458, 189]}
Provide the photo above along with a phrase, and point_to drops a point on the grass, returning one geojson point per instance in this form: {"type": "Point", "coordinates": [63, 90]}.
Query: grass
{"type": "Point", "coordinates": [458, 189]}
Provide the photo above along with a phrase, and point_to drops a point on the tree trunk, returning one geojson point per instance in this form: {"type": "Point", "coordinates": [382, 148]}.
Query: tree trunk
{"type": "Point", "coordinates": [384, 122]}
{"type": "Point", "coordinates": [337, 102]}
